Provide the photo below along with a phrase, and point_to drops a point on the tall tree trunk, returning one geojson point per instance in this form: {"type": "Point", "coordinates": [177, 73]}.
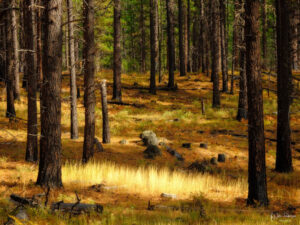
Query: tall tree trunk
{"type": "Point", "coordinates": [223, 45]}
{"type": "Point", "coordinates": [234, 44]}
{"type": "Point", "coordinates": [117, 94]}
{"type": "Point", "coordinates": [39, 46]}
{"type": "Point", "coordinates": [284, 86]}
{"type": "Point", "coordinates": [50, 142]}
{"type": "Point", "coordinates": [181, 21]}
{"type": "Point", "coordinates": [264, 33]}
{"type": "Point", "coordinates": [105, 120]}
{"type": "Point", "coordinates": [171, 42]}
{"type": "Point", "coordinates": [10, 63]}
{"type": "Point", "coordinates": [143, 38]}
{"type": "Point", "coordinates": [153, 44]}
{"type": "Point", "coordinates": [31, 74]}
{"type": "Point", "coordinates": [257, 189]}
{"type": "Point", "coordinates": [160, 40]}
{"type": "Point", "coordinates": [14, 28]}
{"type": "Point", "coordinates": [73, 88]}
{"type": "Point", "coordinates": [215, 53]}
{"type": "Point", "coordinates": [188, 36]}
{"type": "Point", "coordinates": [293, 33]}
{"type": "Point", "coordinates": [89, 83]}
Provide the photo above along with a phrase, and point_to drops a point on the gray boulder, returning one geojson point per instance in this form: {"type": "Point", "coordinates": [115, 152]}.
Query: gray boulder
{"type": "Point", "coordinates": [123, 142]}
{"type": "Point", "coordinates": [149, 138]}
{"type": "Point", "coordinates": [203, 145]}
{"type": "Point", "coordinates": [152, 151]}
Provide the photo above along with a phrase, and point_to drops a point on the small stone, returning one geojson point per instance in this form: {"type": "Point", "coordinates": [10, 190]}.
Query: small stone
{"type": "Point", "coordinates": [149, 138]}
{"type": "Point", "coordinates": [213, 161]}
{"type": "Point", "coordinates": [123, 142]}
{"type": "Point", "coordinates": [186, 145]}
{"type": "Point", "coordinates": [200, 131]}
{"type": "Point", "coordinates": [99, 147]}
{"type": "Point", "coordinates": [203, 145]}
{"type": "Point", "coordinates": [151, 152]}
{"type": "Point", "coordinates": [135, 84]}
{"type": "Point", "coordinates": [176, 120]}
{"type": "Point", "coordinates": [221, 158]}
{"type": "Point", "coordinates": [165, 195]}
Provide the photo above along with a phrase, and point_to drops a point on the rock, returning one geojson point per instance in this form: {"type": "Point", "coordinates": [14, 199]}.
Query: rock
{"type": "Point", "coordinates": [165, 195]}
{"type": "Point", "coordinates": [186, 145]}
{"type": "Point", "coordinates": [163, 144]}
{"type": "Point", "coordinates": [149, 138]}
{"type": "Point", "coordinates": [213, 161]}
{"type": "Point", "coordinates": [202, 167]}
{"type": "Point", "coordinates": [152, 151]}
{"type": "Point", "coordinates": [99, 147]}
{"type": "Point", "coordinates": [21, 215]}
{"type": "Point", "coordinates": [123, 142]}
{"type": "Point", "coordinates": [200, 131]}
{"type": "Point", "coordinates": [221, 158]}
{"type": "Point", "coordinates": [135, 84]}
{"type": "Point", "coordinates": [176, 120]}
{"type": "Point", "coordinates": [203, 145]}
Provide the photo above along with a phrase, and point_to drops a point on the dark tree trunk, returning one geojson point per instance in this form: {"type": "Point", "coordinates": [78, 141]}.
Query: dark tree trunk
{"type": "Point", "coordinates": [105, 131]}
{"type": "Point", "coordinates": [143, 38]}
{"type": "Point", "coordinates": [257, 191]}
{"type": "Point", "coordinates": [73, 88]}
{"type": "Point", "coordinates": [50, 142]}
{"type": "Point", "coordinates": [39, 46]}
{"type": "Point", "coordinates": [223, 45]}
{"type": "Point", "coordinates": [31, 74]}
{"type": "Point", "coordinates": [10, 63]}
{"type": "Point", "coordinates": [160, 41]}
{"type": "Point", "coordinates": [215, 53]}
{"type": "Point", "coordinates": [89, 83]}
{"type": "Point", "coordinates": [181, 22]}
{"type": "Point", "coordinates": [171, 42]}
{"type": "Point", "coordinates": [153, 44]}
{"type": "Point", "coordinates": [234, 48]}
{"type": "Point", "coordinates": [264, 33]}
{"type": "Point", "coordinates": [188, 36]}
{"type": "Point", "coordinates": [117, 95]}
{"type": "Point", "coordinates": [293, 33]}
{"type": "Point", "coordinates": [284, 87]}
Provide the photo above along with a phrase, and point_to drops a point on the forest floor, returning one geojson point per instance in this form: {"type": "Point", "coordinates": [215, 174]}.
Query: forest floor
{"type": "Point", "coordinates": [218, 197]}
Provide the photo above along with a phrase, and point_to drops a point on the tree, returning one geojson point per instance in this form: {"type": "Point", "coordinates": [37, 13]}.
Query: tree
{"type": "Point", "coordinates": [10, 62]}
{"type": "Point", "coordinates": [284, 87]}
{"type": "Point", "coordinates": [15, 40]}
{"type": "Point", "coordinates": [73, 88]}
{"type": "Point", "coordinates": [153, 44]}
{"type": "Point", "coordinates": [89, 83]}
{"type": "Point", "coordinates": [264, 32]}
{"type": "Point", "coordinates": [171, 42]}
{"type": "Point", "coordinates": [223, 37]}
{"type": "Point", "coordinates": [31, 74]}
{"type": "Point", "coordinates": [215, 53]}
{"type": "Point", "coordinates": [257, 185]}
{"type": "Point", "coordinates": [182, 47]}
{"type": "Point", "coordinates": [143, 37]}
{"type": "Point", "coordinates": [117, 94]}
{"type": "Point", "coordinates": [50, 143]}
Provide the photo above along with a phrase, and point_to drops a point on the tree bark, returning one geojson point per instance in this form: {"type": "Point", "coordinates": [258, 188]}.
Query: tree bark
{"type": "Point", "coordinates": [264, 33]}
{"type": "Point", "coordinates": [257, 189]}
{"type": "Point", "coordinates": [182, 48]}
{"type": "Point", "coordinates": [89, 83]}
{"type": "Point", "coordinates": [143, 38]}
{"type": "Point", "coordinates": [171, 42]}
{"type": "Point", "coordinates": [117, 94]}
{"type": "Point", "coordinates": [73, 88]}
{"type": "Point", "coordinates": [293, 33]}
{"type": "Point", "coordinates": [106, 130]}
{"type": "Point", "coordinates": [50, 142]}
{"type": "Point", "coordinates": [10, 63]}
{"type": "Point", "coordinates": [223, 45]}
{"type": "Point", "coordinates": [284, 87]}
{"type": "Point", "coordinates": [31, 74]}
{"type": "Point", "coordinates": [215, 54]}
{"type": "Point", "coordinates": [153, 44]}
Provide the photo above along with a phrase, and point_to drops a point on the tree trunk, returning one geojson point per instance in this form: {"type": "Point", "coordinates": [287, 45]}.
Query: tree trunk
{"type": "Point", "coordinates": [223, 45]}
{"type": "Point", "coordinates": [264, 33]}
{"type": "Point", "coordinates": [50, 142]}
{"type": "Point", "coordinates": [73, 88]}
{"type": "Point", "coordinates": [143, 38]}
{"type": "Point", "coordinates": [31, 74]}
{"type": "Point", "coordinates": [181, 21]}
{"type": "Point", "coordinates": [257, 189]}
{"type": "Point", "coordinates": [89, 83]}
{"type": "Point", "coordinates": [14, 28]}
{"type": "Point", "coordinates": [117, 94]}
{"type": "Point", "coordinates": [215, 53]}
{"type": "Point", "coordinates": [160, 41]}
{"type": "Point", "coordinates": [105, 131]}
{"type": "Point", "coordinates": [39, 46]}
{"type": "Point", "coordinates": [284, 87]}
{"type": "Point", "coordinates": [293, 33]}
{"type": "Point", "coordinates": [188, 36]}
{"type": "Point", "coordinates": [234, 44]}
{"type": "Point", "coordinates": [10, 63]}
{"type": "Point", "coordinates": [153, 44]}
{"type": "Point", "coordinates": [171, 42]}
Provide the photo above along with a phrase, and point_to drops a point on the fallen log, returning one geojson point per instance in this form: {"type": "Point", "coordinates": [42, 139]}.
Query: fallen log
{"type": "Point", "coordinates": [76, 208]}
{"type": "Point", "coordinates": [24, 201]}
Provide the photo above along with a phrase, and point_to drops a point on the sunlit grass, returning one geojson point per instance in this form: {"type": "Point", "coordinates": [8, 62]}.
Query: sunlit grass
{"type": "Point", "coordinates": [153, 181]}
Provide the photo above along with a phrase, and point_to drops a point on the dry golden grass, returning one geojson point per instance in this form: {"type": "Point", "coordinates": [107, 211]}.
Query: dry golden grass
{"type": "Point", "coordinates": [151, 181]}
